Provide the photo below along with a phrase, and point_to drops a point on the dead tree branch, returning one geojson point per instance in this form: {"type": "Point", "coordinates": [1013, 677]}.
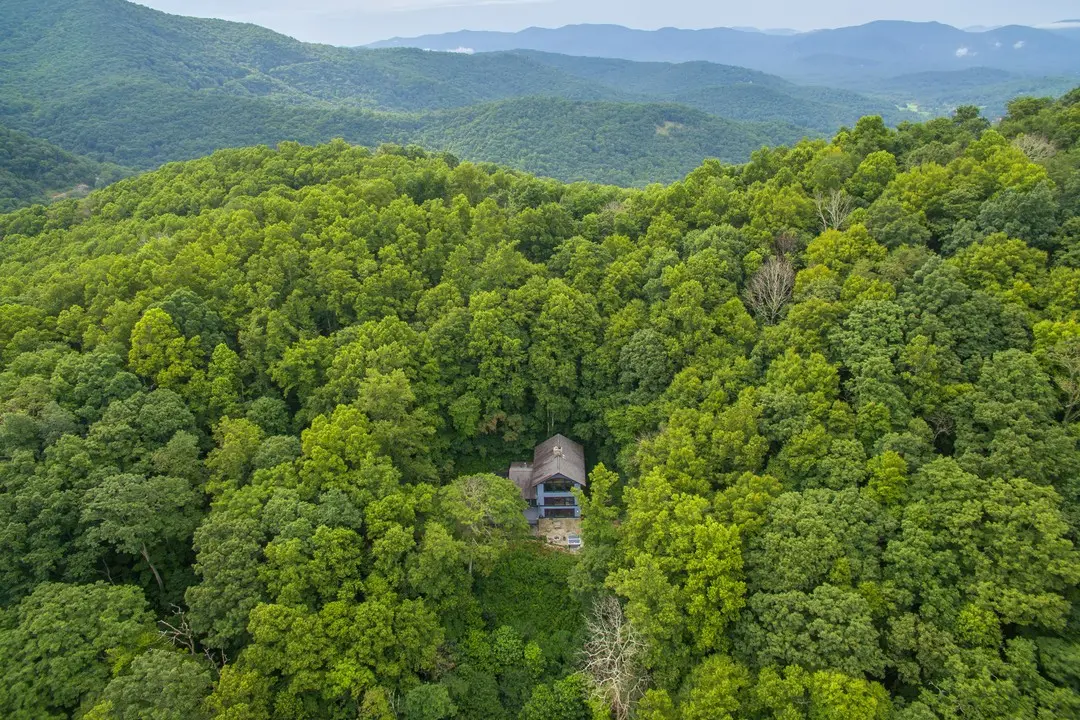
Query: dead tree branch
{"type": "Point", "coordinates": [612, 657]}
{"type": "Point", "coordinates": [833, 209]}
{"type": "Point", "coordinates": [178, 632]}
{"type": "Point", "coordinates": [770, 289]}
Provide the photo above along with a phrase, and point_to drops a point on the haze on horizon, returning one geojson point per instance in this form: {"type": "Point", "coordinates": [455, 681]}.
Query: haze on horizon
{"type": "Point", "coordinates": [357, 22]}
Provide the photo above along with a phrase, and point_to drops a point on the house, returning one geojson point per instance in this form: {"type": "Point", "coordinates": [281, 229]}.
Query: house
{"type": "Point", "coordinates": [558, 466]}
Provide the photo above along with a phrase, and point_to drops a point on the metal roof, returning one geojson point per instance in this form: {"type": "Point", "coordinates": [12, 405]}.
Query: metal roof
{"type": "Point", "coordinates": [558, 456]}
{"type": "Point", "coordinates": [521, 473]}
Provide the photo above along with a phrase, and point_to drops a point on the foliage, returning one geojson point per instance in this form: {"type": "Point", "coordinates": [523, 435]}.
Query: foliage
{"type": "Point", "coordinates": [265, 398]}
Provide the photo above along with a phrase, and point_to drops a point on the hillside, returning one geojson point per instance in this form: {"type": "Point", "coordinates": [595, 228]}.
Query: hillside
{"type": "Point", "coordinates": [257, 412]}
{"type": "Point", "coordinates": [614, 143]}
{"type": "Point", "coordinates": [35, 171]}
{"type": "Point", "coordinates": [122, 83]}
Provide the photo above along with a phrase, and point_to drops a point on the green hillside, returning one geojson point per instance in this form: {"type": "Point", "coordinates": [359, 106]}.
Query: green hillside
{"type": "Point", "coordinates": [257, 412]}
{"type": "Point", "coordinates": [935, 93]}
{"type": "Point", "coordinates": [615, 143]}
{"type": "Point", "coordinates": [122, 83]}
{"type": "Point", "coordinates": [629, 144]}
{"type": "Point", "coordinates": [728, 91]}
{"type": "Point", "coordinates": [35, 171]}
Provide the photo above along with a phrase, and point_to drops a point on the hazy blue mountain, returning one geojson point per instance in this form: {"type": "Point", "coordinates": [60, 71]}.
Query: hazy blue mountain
{"type": "Point", "coordinates": [878, 49]}
{"type": "Point", "coordinates": [767, 31]}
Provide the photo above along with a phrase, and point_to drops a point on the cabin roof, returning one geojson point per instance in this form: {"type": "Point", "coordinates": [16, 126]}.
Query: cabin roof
{"type": "Point", "coordinates": [521, 473]}
{"type": "Point", "coordinates": [558, 456]}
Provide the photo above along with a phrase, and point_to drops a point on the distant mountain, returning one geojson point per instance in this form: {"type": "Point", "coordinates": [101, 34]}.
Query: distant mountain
{"type": "Point", "coordinates": [35, 171]}
{"type": "Point", "coordinates": [123, 83]}
{"type": "Point", "coordinates": [878, 49]}
{"type": "Point", "coordinates": [768, 31]}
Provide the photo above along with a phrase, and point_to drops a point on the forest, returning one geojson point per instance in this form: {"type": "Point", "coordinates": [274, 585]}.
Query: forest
{"type": "Point", "coordinates": [256, 408]}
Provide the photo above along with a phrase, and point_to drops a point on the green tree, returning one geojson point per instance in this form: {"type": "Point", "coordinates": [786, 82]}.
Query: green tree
{"type": "Point", "coordinates": [161, 685]}
{"type": "Point", "coordinates": [486, 513]}
{"type": "Point", "coordinates": [137, 515]}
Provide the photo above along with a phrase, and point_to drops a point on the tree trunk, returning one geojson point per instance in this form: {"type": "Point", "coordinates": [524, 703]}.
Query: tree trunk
{"type": "Point", "coordinates": [146, 557]}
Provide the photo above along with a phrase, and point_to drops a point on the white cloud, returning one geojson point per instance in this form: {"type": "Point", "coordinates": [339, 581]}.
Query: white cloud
{"type": "Point", "coordinates": [962, 52]}
{"type": "Point", "coordinates": [1019, 44]}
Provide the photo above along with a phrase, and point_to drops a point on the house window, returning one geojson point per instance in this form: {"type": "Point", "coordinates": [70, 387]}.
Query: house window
{"type": "Point", "coordinates": [558, 486]}
{"type": "Point", "coordinates": [560, 502]}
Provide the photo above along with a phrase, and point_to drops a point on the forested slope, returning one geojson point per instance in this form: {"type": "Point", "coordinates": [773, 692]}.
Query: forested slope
{"type": "Point", "coordinates": [618, 143]}
{"type": "Point", "coordinates": [33, 171]}
{"type": "Point", "coordinates": [251, 404]}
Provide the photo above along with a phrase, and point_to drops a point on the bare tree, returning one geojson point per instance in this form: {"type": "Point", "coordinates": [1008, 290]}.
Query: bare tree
{"type": "Point", "coordinates": [1036, 147]}
{"type": "Point", "coordinates": [833, 209]}
{"type": "Point", "coordinates": [177, 631]}
{"type": "Point", "coordinates": [942, 423]}
{"type": "Point", "coordinates": [613, 654]}
{"type": "Point", "coordinates": [770, 288]}
{"type": "Point", "coordinates": [1066, 359]}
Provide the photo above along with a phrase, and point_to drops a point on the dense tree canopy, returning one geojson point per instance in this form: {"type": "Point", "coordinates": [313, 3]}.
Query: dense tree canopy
{"type": "Point", "coordinates": [255, 407]}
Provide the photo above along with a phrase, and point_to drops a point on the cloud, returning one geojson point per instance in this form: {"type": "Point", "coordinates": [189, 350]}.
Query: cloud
{"type": "Point", "coordinates": [962, 52]}
{"type": "Point", "coordinates": [1019, 44]}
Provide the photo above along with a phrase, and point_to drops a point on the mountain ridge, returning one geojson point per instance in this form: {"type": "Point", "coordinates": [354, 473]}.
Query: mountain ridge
{"type": "Point", "coordinates": [883, 42]}
{"type": "Point", "coordinates": [128, 84]}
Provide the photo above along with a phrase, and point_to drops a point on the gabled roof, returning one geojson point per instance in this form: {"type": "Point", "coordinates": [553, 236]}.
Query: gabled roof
{"type": "Point", "coordinates": [558, 456]}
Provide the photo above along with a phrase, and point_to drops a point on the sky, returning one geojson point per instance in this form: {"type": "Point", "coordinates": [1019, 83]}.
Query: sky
{"type": "Point", "coordinates": [357, 22]}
